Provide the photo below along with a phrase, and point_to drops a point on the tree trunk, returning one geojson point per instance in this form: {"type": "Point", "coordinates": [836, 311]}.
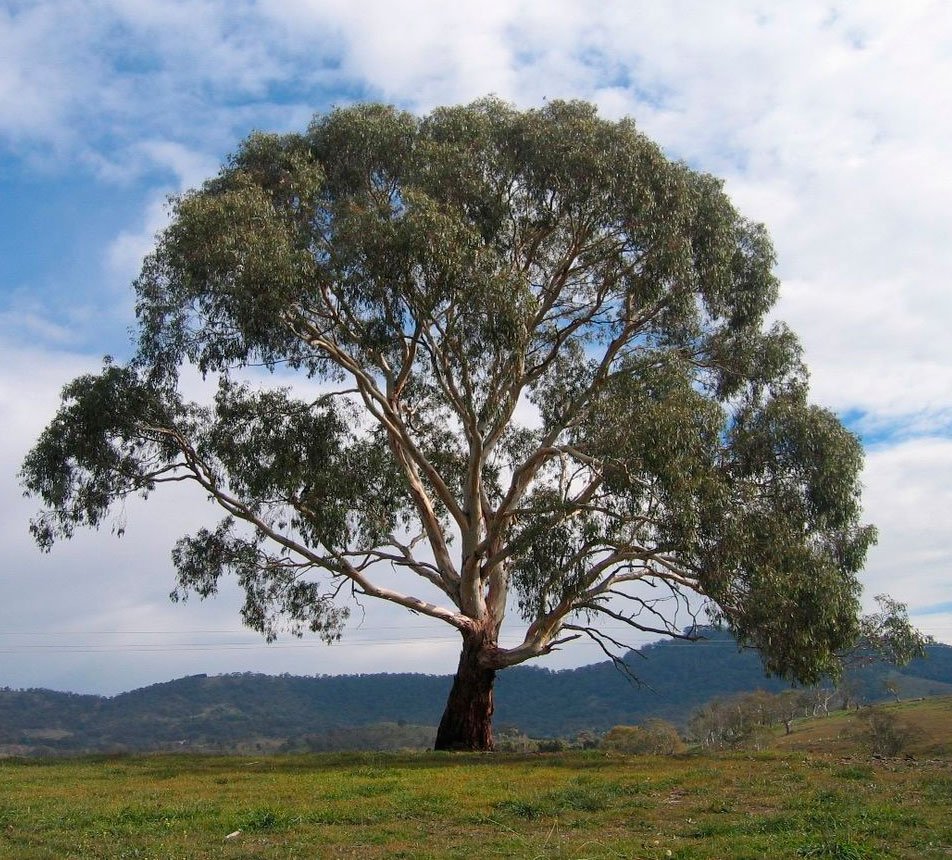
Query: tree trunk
{"type": "Point", "coordinates": [467, 722]}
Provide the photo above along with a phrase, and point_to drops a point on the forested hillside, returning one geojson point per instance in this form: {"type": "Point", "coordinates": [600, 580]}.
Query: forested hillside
{"type": "Point", "coordinates": [232, 711]}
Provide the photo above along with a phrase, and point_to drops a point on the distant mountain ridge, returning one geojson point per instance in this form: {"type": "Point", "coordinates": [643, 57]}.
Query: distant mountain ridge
{"type": "Point", "coordinates": [233, 711]}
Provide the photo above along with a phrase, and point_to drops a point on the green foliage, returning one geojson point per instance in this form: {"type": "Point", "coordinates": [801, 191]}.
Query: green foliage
{"type": "Point", "coordinates": [259, 818]}
{"type": "Point", "coordinates": [431, 274]}
{"type": "Point", "coordinates": [887, 636]}
{"type": "Point", "coordinates": [103, 444]}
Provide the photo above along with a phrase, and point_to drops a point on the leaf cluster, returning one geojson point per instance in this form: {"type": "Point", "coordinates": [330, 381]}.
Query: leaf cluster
{"type": "Point", "coordinates": [439, 277]}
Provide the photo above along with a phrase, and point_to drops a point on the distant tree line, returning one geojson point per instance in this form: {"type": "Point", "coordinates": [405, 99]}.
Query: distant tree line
{"type": "Point", "coordinates": [577, 707]}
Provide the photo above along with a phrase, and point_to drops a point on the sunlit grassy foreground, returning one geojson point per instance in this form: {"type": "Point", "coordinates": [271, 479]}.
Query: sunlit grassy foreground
{"type": "Point", "coordinates": [575, 805]}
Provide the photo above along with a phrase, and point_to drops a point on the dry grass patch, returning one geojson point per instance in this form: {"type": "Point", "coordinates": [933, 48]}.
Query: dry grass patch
{"type": "Point", "coordinates": [929, 722]}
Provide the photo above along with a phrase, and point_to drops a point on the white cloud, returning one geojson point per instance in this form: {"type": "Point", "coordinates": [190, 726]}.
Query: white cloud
{"type": "Point", "coordinates": [38, 56]}
{"type": "Point", "coordinates": [908, 496]}
{"type": "Point", "coordinates": [828, 123]}
{"type": "Point", "coordinates": [156, 156]}
{"type": "Point", "coordinates": [126, 252]}
{"type": "Point", "coordinates": [26, 321]}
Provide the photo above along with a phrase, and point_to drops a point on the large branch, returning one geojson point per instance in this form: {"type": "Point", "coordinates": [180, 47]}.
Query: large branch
{"type": "Point", "coordinates": [336, 562]}
{"type": "Point", "coordinates": [408, 455]}
{"type": "Point", "coordinates": [524, 474]}
{"type": "Point", "coordinates": [379, 406]}
{"type": "Point", "coordinates": [405, 560]}
{"type": "Point", "coordinates": [667, 627]}
{"type": "Point", "coordinates": [571, 508]}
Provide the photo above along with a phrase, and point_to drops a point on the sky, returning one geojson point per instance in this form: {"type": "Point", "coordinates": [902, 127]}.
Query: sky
{"type": "Point", "coordinates": [829, 122]}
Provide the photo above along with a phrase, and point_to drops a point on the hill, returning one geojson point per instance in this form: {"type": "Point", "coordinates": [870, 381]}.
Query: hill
{"type": "Point", "coordinates": [248, 711]}
{"type": "Point", "coordinates": [925, 726]}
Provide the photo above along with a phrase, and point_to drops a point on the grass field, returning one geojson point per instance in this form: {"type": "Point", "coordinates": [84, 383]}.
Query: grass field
{"type": "Point", "coordinates": [778, 803]}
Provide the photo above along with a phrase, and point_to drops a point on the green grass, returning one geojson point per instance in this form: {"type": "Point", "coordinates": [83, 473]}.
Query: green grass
{"type": "Point", "coordinates": [566, 805]}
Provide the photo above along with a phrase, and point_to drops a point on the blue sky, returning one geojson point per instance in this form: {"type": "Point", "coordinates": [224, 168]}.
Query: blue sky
{"type": "Point", "coordinates": [828, 121]}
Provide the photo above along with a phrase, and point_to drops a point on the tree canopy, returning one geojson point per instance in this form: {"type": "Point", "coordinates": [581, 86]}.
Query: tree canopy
{"type": "Point", "coordinates": [544, 383]}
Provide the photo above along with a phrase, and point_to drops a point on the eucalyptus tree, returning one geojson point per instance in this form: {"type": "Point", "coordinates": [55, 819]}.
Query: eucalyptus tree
{"type": "Point", "coordinates": [541, 382]}
{"type": "Point", "coordinates": [886, 636]}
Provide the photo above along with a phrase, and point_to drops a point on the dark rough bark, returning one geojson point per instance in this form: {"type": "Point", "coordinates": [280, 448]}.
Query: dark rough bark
{"type": "Point", "coordinates": [467, 722]}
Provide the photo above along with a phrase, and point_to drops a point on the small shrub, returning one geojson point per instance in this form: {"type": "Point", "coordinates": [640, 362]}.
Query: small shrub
{"type": "Point", "coordinates": [514, 741]}
{"type": "Point", "coordinates": [588, 740]}
{"type": "Point", "coordinates": [256, 820]}
{"type": "Point", "coordinates": [883, 733]}
{"type": "Point", "coordinates": [654, 737]}
{"type": "Point", "coordinates": [581, 798]}
{"type": "Point", "coordinates": [520, 808]}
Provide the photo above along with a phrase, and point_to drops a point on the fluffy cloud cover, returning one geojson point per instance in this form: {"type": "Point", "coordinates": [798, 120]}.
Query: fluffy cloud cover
{"type": "Point", "coordinates": [829, 122]}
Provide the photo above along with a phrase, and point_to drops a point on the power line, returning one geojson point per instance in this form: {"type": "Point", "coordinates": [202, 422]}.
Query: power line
{"type": "Point", "coordinates": [21, 643]}
{"type": "Point", "coordinates": [232, 631]}
{"type": "Point", "coordinates": [138, 648]}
